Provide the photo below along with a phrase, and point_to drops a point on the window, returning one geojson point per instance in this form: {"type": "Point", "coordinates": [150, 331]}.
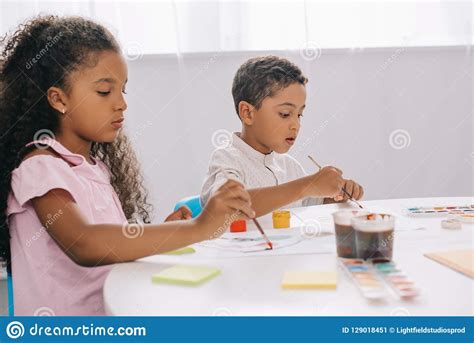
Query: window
{"type": "Point", "coordinates": [164, 27]}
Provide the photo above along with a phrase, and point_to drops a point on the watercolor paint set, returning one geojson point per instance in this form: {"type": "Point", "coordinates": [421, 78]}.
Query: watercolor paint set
{"type": "Point", "coordinates": [439, 211]}
{"type": "Point", "coordinates": [364, 277]}
{"type": "Point", "coordinates": [393, 277]}
{"type": "Point", "coordinates": [376, 277]}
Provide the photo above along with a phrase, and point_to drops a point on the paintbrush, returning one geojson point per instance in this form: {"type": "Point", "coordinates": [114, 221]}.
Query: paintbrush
{"type": "Point", "coordinates": [257, 224]}
{"type": "Point", "coordinates": [343, 189]}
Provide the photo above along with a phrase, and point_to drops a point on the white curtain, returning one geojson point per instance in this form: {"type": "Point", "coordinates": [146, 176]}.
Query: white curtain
{"type": "Point", "coordinates": [175, 27]}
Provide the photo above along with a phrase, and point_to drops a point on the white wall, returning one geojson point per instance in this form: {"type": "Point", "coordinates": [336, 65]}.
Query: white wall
{"type": "Point", "coordinates": [356, 100]}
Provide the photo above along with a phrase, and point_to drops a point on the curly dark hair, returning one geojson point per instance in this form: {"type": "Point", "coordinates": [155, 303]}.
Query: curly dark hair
{"type": "Point", "coordinates": [261, 77]}
{"type": "Point", "coordinates": [42, 53]}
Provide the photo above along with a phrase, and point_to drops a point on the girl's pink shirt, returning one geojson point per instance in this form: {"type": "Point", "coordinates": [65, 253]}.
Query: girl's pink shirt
{"type": "Point", "coordinates": [45, 280]}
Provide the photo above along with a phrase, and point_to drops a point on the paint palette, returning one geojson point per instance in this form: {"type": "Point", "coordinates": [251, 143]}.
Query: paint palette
{"type": "Point", "coordinates": [461, 216]}
{"type": "Point", "coordinates": [372, 277]}
{"type": "Point", "coordinates": [395, 278]}
{"type": "Point", "coordinates": [364, 277]}
{"type": "Point", "coordinates": [439, 211]}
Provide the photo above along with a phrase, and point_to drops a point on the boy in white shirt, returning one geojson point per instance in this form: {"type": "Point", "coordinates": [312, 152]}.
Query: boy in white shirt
{"type": "Point", "coordinates": [269, 96]}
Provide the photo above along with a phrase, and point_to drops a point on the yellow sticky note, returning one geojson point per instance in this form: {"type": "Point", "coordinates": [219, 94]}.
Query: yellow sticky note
{"type": "Point", "coordinates": [309, 280]}
{"type": "Point", "coordinates": [459, 260]}
{"type": "Point", "coordinates": [185, 275]}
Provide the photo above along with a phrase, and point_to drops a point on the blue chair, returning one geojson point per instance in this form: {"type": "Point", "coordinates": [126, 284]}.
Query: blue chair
{"type": "Point", "coordinates": [10, 293]}
{"type": "Point", "coordinates": [193, 203]}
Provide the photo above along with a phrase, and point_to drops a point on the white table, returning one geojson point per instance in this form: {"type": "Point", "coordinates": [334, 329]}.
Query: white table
{"type": "Point", "coordinates": [251, 286]}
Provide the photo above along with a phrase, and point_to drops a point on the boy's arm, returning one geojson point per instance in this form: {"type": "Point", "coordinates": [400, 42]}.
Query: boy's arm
{"type": "Point", "coordinates": [264, 199]}
{"type": "Point", "coordinates": [267, 199]}
{"type": "Point", "coordinates": [325, 183]}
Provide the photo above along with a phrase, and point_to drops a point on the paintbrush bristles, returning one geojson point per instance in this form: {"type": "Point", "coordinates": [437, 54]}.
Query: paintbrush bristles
{"type": "Point", "coordinates": [257, 224]}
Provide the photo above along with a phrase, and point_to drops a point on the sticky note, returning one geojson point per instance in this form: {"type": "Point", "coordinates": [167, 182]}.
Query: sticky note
{"type": "Point", "coordinates": [185, 275]}
{"type": "Point", "coordinates": [182, 251]}
{"type": "Point", "coordinates": [459, 260]}
{"type": "Point", "coordinates": [309, 280]}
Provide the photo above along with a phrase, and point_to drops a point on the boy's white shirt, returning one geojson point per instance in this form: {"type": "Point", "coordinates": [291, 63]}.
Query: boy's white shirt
{"type": "Point", "coordinates": [253, 169]}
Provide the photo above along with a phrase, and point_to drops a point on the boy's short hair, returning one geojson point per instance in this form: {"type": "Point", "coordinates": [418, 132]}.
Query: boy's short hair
{"type": "Point", "coordinates": [261, 77]}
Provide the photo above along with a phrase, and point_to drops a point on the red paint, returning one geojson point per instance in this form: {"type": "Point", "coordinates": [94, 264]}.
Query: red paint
{"type": "Point", "coordinates": [238, 226]}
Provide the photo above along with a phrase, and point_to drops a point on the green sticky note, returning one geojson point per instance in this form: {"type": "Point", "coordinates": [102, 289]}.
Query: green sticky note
{"type": "Point", "coordinates": [185, 275]}
{"type": "Point", "coordinates": [182, 251]}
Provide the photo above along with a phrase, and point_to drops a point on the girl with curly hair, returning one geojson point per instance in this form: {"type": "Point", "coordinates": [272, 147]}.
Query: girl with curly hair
{"type": "Point", "coordinates": [72, 200]}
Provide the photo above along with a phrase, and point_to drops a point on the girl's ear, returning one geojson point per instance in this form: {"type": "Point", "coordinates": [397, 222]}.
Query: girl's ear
{"type": "Point", "coordinates": [57, 99]}
{"type": "Point", "coordinates": [246, 112]}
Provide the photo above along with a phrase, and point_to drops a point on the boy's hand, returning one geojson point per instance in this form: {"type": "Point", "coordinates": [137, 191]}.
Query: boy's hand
{"type": "Point", "coordinates": [182, 213]}
{"type": "Point", "coordinates": [229, 203]}
{"type": "Point", "coordinates": [353, 189]}
{"type": "Point", "coordinates": [326, 183]}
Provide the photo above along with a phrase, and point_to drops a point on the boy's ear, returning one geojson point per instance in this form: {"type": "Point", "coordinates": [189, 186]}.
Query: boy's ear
{"type": "Point", "coordinates": [57, 99]}
{"type": "Point", "coordinates": [246, 112]}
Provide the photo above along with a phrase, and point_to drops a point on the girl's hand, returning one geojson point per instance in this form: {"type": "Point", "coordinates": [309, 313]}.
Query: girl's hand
{"type": "Point", "coordinates": [182, 213]}
{"type": "Point", "coordinates": [353, 189]}
{"type": "Point", "coordinates": [229, 203]}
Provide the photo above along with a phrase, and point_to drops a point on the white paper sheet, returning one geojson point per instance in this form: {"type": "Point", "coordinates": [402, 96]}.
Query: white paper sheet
{"type": "Point", "coordinates": [286, 242]}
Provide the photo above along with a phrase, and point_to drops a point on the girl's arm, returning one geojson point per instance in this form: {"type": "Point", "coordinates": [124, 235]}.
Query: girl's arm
{"type": "Point", "coordinates": [101, 244]}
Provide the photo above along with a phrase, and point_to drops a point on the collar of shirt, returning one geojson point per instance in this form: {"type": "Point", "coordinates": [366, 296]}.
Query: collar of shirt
{"type": "Point", "coordinates": [268, 160]}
